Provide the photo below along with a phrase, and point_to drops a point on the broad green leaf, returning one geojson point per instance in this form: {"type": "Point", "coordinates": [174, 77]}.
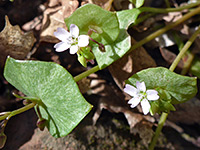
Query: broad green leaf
{"type": "Point", "coordinates": [61, 102]}
{"type": "Point", "coordinates": [137, 3]}
{"type": "Point", "coordinates": [121, 46]}
{"type": "Point", "coordinates": [180, 88]}
{"type": "Point", "coordinates": [93, 17]}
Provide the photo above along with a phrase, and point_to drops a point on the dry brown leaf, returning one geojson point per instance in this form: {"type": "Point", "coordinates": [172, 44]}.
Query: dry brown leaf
{"type": "Point", "coordinates": [106, 4]}
{"type": "Point", "coordinates": [84, 85]}
{"type": "Point", "coordinates": [128, 65]}
{"type": "Point", "coordinates": [122, 4]}
{"type": "Point", "coordinates": [145, 131]}
{"type": "Point", "coordinates": [54, 17]}
{"type": "Point", "coordinates": [187, 113]}
{"type": "Point", "coordinates": [174, 16]}
{"type": "Point", "coordinates": [14, 42]}
{"type": "Point", "coordinates": [169, 57]}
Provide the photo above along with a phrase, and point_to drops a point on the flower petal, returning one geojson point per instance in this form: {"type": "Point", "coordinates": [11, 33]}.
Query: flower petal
{"type": "Point", "coordinates": [152, 95]}
{"type": "Point", "coordinates": [62, 34]}
{"type": "Point", "coordinates": [134, 102]}
{"type": "Point", "coordinates": [61, 46]}
{"type": "Point", "coordinates": [73, 49]}
{"type": "Point", "coordinates": [83, 40]}
{"type": "Point", "coordinates": [74, 30]}
{"type": "Point", "coordinates": [131, 90]}
{"type": "Point", "coordinates": [141, 86]}
{"type": "Point", "coordinates": [145, 106]}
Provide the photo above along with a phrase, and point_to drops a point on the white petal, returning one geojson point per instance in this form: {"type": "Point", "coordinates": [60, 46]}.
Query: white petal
{"type": "Point", "coordinates": [145, 106]}
{"type": "Point", "coordinates": [61, 46]}
{"type": "Point", "coordinates": [73, 49]}
{"type": "Point", "coordinates": [134, 102]}
{"type": "Point", "coordinates": [74, 30]}
{"type": "Point", "coordinates": [152, 95]}
{"type": "Point", "coordinates": [62, 34]}
{"type": "Point", "coordinates": [131, 90]}
{"type": "Point", "coordinates": [83, 40]}
{"type": "Point", "coordinates": [141, 86]}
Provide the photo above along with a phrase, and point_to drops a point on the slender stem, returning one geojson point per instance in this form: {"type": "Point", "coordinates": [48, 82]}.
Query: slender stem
{"type": "Point", "coordinates": [167, 10]}
{"type": "Point", "coordinates": [141, 19]}
{"type": "Point", "coordinates": [159, 10]}
{"type": "Point", "coordinates": [158, 130]}
{"type": "Point", "coordinates": [165, 29]}
{"type": "Point", "coordinates": [184, 49]}
{"type": "Point", "coordinates": [86, 73]}
{"type": "Point", "coordinates": [18, 111]}
{"type": "Point", "coordinates": [172, 67]}
{"type": "Point", "coordinates": [187, 64]}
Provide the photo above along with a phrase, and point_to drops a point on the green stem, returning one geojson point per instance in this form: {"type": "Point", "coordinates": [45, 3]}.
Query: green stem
{"type": "Point", "coordinates": [158, 130]}
{"type": "Point", "coordinates": [161, 10]}
{"type": "Point", "coordinates": [167, 10]}
{"type": "Point", "coordinates": [8, 115]}
{"type": "Point", "coordinates": [184, 49]}
{"type": "Point", "coordinates": [187, 64]}
{"type": "Point", "coordinates": [172, 67]}
{"type": "Point", "coordinates": [141, 19]}
{"type": "Point", "coordinates": [86, 73]}
{"type": "Point", "coordinates": [165, 29]}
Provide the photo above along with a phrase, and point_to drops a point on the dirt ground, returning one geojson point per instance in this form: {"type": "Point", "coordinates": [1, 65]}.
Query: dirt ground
{"type": "Point", "coordinates": [107, 126]}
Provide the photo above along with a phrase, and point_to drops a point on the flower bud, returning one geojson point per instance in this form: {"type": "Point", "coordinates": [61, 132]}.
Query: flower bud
{"type": "Point", "coordinates": [41, 123]}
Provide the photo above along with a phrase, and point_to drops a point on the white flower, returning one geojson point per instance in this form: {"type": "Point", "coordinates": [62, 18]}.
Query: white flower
{"type": "Point", "coordinates": [70, 39]}
{"type": "Point", "coordinates": [140, 94]}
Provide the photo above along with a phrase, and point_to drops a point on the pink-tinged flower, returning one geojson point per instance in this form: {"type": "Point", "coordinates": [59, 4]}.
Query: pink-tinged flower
{"type": "Point", "coordinates": [141, 95]}
{"type": "Point", "coordinates": [71, 40]}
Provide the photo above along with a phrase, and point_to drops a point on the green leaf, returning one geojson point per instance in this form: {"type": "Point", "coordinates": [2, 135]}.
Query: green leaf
{"type": "Point", "coordinates": [111, 30]}
{"type": "Point", "coordinates": [121, 46]}
{"type": "Point", "coordinates": [82, 60]}
{"type": "Point", "coordinates": [137, 3]}
{"type": "Point", "coordinates": [61, 102]}
{"type": "Point", "coordinates": [127, 17]}
{"type": "Point", "coordinates": [93, 17]}
{"type": "Point", "coordinates": [180, 88]}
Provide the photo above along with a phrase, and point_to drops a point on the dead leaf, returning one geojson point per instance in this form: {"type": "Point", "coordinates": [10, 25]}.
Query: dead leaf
{"type": "Point", "coordinates": [174, 16]}
{"type": "Point", "coordinates": [145, 131]}
{"type": "Point", "coordinates": [121, 4]}
{"type": "Point", "coordinates": [54, 17]}
{"type": "Point", "coordinates": [84, 85]}
{"type": "Point", "coordinates": [187, 113]}
{"type": "Point", "coordinates": [14, 42]}
{"type": "Point", "coordinates": [105, 4]}
{"type": "Point", "coordinates": [169, 57]}
{"type": "Point", "coordinates": [165, 40]}
{"type": "Point", "coordinates": [128, 65]}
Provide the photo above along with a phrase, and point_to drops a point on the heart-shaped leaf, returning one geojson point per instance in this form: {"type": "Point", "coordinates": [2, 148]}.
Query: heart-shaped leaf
{"type": "Point", "coordinates": [60, 101]}
{"type": "Point", "coordinates": [111, 30]}
{"type": "Point", "coordinates": [181, 88]}
{"type": "Point", "coordinates": [172, 88]}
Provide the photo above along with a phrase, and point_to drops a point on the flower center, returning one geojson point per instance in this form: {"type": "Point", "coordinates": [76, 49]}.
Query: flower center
{"type": "Point", "coordinates": [142, 95]}
{"type": "Point", "coordinates": [72, 40]}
